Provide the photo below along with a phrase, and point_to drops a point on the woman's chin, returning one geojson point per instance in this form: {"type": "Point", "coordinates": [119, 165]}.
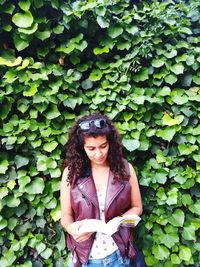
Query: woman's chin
{"type": "Point", "coordinates": [100, 161]}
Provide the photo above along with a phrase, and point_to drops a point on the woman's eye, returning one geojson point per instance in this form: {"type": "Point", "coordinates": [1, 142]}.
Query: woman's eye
{"type": "Point", "coordinates": [104, 146]}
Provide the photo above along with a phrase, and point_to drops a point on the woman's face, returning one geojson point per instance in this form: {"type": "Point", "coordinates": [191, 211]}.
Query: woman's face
{"type": "Point", "coordinates": [96, 149]}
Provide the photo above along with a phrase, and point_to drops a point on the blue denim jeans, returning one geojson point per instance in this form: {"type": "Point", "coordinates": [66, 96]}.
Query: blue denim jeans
{"type": "Point", "coordinates": [112, 260]}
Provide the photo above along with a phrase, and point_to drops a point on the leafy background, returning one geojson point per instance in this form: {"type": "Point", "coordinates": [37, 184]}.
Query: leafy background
{"type": "Point", "coordinates": [136, 61]}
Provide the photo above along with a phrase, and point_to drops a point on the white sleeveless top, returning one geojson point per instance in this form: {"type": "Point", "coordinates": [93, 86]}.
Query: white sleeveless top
{"type": "Point", "coordinates": [103, 244]}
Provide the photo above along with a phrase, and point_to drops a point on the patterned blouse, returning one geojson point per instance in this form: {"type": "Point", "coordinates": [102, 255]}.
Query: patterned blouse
{"type": "Point", "coordinates": [103, 245]}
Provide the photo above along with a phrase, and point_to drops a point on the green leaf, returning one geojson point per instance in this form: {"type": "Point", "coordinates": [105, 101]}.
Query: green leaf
{"type": "Point", "coordinates": [185, 253]}
{"type": "Point", "coordinates": [166, 134]}
{"type": "Point", "coordinates": [8, 127]}
{"type": "Point", "coordinates": [36, 143]}
{"type": "Point", "coordinates": [40, 247]}
{"type": "Point", "coordinates": [189, 233]}
{"type": "Point", "coordinates": [21, 161]}
{"type": "Point", "coordinates": [160, 252]}
{"type": "Point", "coordinates": [186, 199]}
{"type": "Point", "coordinates": [194, 208]}
{"type": "Point", "coordinates": [177, 218]}
{"type": "Point", "coordinates": [51, 204]}
{"type": "Point", "coordinates": [187, 149]}
{"type": "Point", "coordinates": [196, 158]}
{"type": "Point", "coordinates": [177, 68]}
{"type": "Point", "coordinates": [98, 99]}
{"type": "Point", "coordinates": [24, 5]}
{"type": "Point", "coordinates": [35, 187]}
{"type": "Point", "coordinates": [171, 54]}
{"type": "Point", "coordinates": [11, 184]}
{"type": "Point", "coordinates": [50, 163]}
{"type": "Point", "coordinates": [196, 79]}
{"type": "Point", "coordinates": [127, 116]}
{"type": "Point", "coordinates": [50, 146]}
{"type": "Point", "coordinates": [3, 192]}
{"type": "Point", "coordinates": [123, 45]}
{"type": "Point", "coordinates": [25, 63]}
{"type": "Point", "coordinates": [132, 30]}
{"type": "Point", "coordinates": [180, 179]}
{"type": "Point", "coordinates": [24, 20]}
{"type": "Point", "coordinates": [3, 224]}
{"type": "Point", "coordinates": [61, 244]}
{"type": "Point", "coordinates": [161, 177]}
{"type": "Point", "coordinates": [172, 196]}
{"type": "Point", "coordinates": [41, 222]}
{"type": "Point", "coordinates": [12, 201]}
{"type": "Point", "coordinates": [31, 91]}
{"type": "Point", "coordinates": [23, 181]}
{"type": "Point", "coordinates": [190, 60]}
{"type": "Point", "coordinates": [10, 257]}
{"type": "Point", "coordinates": [46, 253]}
{"type": "Point", "coordinates": [20, 43]}
{"type": "Point", "coordinates": [9, 8]}
{"type": "Point", "coordinates": [56, 214]}
{"type": "Point", "coordinates": [115, 31]}
{"type": "Point", "coordinates": [185, 30]}
{"type": "Point", "coordinates": [58, 29]}
{"type": "Point", "coordinates": [95, 75]}
{"type": "Point", "coordinates": [142, 75]}
{"type": "Point", "coordinates": [4, 166]}
{"type": "Point", "coordinates": [161, 194]}
{"type": "Point", "coordinates": [86, 84]}
{"type": "Point", "coordinates": [157, 63]}
{"type": "Point", "coordinates": [171, 79]}
{"type": "Point", "coordinates": [10, 63]}
{"type": "Point", "coordinates": [103, 23]}
{"type": "Point", "coordinates": [169, 121]}
{"type": "Point", "coordinates": [130, 144]}
{"type": "Point", "coordinates": [7, 28]}
{"type": "Point", "coordinates": [101, 10]}
{"type": "Point", "coordinates": [12, 222]}
{"type": "Point", "coordinates": [74, 59]}
{"type": "Point", "coordinates": [29, 30]}
{"type": "Point", "coordinates": [99, 51]}
{"type": "Point", "coordinates": [53, 112]}
{"type": "Point", "coordinates": [55, 173]}
{"type": "Point", "coordinates": [179, 99]}
{"type": "Point", "coordinates": [175, 259]}
{"type": "Point", "coordinates": [43, 35]}
{"type": "Point", "coordinates": [41, 165]}
{"type": "Point", "coordinates": [169, 240]}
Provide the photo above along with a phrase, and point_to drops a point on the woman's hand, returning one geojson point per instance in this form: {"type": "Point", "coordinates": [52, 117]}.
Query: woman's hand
{"type": "Point", "coordinates": [73, 229]}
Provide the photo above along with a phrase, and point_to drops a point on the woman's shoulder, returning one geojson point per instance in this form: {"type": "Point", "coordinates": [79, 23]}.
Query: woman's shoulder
{"type": "Point", "coordinates": [65, 174]}
{"type": "Point", "coordinates": [127, 164]}
{"type": "Point", "coordinates": [129, 168]}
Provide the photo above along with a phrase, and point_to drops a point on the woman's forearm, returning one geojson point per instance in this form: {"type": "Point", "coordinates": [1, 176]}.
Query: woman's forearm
{"type": "Point", "coordinates": [134, 210]}
{"type": "Point", "coordinates": [66, 220]}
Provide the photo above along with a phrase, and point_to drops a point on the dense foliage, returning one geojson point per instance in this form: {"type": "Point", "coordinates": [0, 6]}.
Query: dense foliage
{"type": "Point", "coordinates": [136, 61]}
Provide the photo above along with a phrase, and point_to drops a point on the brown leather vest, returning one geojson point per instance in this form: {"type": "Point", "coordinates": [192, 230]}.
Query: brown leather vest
{"type": "Point", "coordinates": [85, 205]}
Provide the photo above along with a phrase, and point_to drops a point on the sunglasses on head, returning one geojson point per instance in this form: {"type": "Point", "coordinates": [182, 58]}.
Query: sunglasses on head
{"type": "Point", "coordinates": [86, 125]}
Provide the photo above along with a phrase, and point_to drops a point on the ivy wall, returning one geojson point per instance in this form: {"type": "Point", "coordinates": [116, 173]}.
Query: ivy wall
{"type": "Point", "coordinates": [136, 61]}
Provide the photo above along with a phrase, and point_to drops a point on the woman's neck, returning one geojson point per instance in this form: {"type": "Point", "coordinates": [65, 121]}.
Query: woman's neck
{"type": "Point", "coordinates": [99, 166]}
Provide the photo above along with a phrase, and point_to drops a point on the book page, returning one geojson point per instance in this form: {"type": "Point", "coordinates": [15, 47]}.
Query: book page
{"type": "Point", "coordinates": [94, 225]}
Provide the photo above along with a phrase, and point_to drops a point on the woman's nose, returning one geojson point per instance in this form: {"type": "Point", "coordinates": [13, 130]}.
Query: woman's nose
{"type": "Point", "coordinates": [98, 152]}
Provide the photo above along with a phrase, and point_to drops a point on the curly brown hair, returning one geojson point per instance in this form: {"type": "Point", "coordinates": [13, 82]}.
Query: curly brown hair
{"type": "Point", "coordinates": [76, 159]}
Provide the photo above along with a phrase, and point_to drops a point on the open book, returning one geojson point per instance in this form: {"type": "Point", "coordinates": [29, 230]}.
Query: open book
{"type": "Point", "coordinates": [109, 228]}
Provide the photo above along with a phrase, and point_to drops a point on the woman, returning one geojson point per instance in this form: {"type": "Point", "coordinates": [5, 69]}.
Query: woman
{"type": "Point", "coordinates": [97, 183]}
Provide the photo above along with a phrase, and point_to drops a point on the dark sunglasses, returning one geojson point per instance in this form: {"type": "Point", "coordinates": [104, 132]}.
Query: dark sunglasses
{"type": "Point", "coordinates": [86, 125]}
